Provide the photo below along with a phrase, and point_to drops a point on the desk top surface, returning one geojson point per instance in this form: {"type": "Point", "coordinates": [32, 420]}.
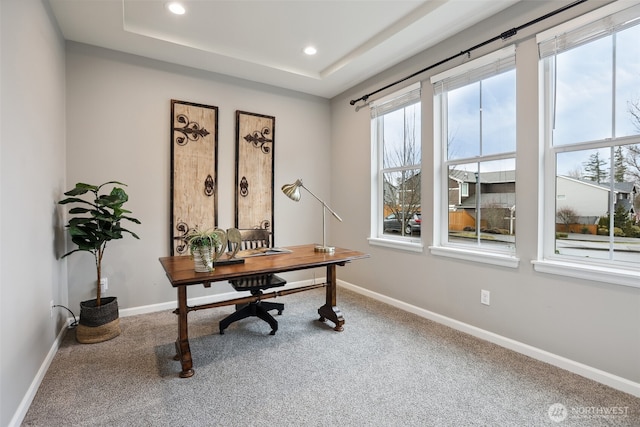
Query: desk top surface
{"type": "Point", "coordinates": [180, 269]}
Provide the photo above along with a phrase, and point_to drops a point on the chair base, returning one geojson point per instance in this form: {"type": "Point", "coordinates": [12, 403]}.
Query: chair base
{"type": "Point", "coordinates": [255, 309]}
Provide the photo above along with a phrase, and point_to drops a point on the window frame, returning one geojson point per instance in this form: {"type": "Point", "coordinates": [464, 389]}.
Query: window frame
{"type": "Point", "coordinates": [405, 97]}
{"type": "Point", "coordinates": [504, 257]}
{"type": "Point", "coordinates": [608, 271]}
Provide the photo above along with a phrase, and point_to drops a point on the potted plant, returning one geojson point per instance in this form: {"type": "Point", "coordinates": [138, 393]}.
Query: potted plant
{"type": "Point", "coordinates": [94, 222]}
{"type": "Point", "coordinates": [205, 246]}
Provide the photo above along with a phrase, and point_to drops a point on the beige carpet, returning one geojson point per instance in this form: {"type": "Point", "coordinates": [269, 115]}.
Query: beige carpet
{"type": "Point", "coordinates": [388, 368]}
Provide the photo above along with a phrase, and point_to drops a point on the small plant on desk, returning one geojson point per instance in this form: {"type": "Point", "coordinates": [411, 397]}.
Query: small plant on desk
{"type": "Point", "coordinates": [206, 246]}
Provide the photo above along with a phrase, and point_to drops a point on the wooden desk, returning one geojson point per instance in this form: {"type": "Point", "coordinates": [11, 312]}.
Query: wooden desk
{"type": "Point", "coordinates": [181, 274]}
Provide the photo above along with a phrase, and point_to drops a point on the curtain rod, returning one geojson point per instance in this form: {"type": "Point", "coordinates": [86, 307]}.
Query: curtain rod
{"type": "Point", "coordinates": [503, 36]}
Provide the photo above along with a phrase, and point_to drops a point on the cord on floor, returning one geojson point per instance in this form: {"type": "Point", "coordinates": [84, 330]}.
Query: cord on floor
{"type": "Point", "coordinates": [75, 321]}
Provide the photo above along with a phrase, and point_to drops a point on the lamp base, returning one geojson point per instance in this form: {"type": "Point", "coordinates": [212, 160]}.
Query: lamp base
{"type": "Point", "coordinates": [325, 249]}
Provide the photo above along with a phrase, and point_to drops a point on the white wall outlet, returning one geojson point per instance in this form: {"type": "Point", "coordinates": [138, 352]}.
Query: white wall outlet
{"type": "Point", "coordinates": [104, 285]}
{"type": "Point", "coordinates": [51, 309]}
{"type": "Point", "coordinates": [485, 297]}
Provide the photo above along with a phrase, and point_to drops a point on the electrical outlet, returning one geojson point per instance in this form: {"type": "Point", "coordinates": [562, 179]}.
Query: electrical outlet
{"type": "Point", "coordinates": [51, 304]}
{"type": "Point", "coordinates": [485, 297]}
{"type": "Point", "coordinates": [104, 285]}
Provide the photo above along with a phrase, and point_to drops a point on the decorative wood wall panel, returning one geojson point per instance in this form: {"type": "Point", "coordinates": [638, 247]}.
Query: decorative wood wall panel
{"type": "Point", "coordinates": [194, 162]}
{"type": "Point", "coordinates": [255, 136]}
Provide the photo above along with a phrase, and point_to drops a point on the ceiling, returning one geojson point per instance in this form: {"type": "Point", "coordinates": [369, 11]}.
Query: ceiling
{"type": "Point", "coordinates": [263, 40]}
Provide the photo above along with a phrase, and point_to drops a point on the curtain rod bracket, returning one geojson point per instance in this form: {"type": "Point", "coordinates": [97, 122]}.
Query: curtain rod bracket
{"type": "Point", "coordinates": [508, 34]}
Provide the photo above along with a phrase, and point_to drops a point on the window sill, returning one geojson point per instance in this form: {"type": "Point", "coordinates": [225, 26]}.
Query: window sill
{"type": "Point", "coordinates": [502, 260]}
{"type": "Point", "coordinates": [406, 245]}
{"type": "Point", "coordinates": [589, 272]}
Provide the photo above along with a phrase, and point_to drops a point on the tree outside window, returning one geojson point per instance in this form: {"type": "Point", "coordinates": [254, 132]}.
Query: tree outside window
{"type": "Point", "coordinates": [396, 135]}
{"type": "Point", "coordinates": [593, 134]}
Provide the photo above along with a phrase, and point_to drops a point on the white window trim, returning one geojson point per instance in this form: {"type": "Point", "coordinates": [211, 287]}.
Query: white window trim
{"type": "Point", "coordinates": [377, 238]}
{"type": "Point", "coordinates": [484, 257]}
{"type": "Point", "coordinates": [464, 189]}
{"type": "Point", "coordinates": [411, 245]}
{"type": "Point", "coordinates": [500, 258]}
{"type": "Point", "coordinates": [546, 261]}
{"type": "Point", "coordinates": [585, 19]}
{"type": "Point", "coordinates": [596, 273]}
{"type": "Point", "coordinates": [396, 94]}
{"type": "Point", "coordinates": [475, 63]}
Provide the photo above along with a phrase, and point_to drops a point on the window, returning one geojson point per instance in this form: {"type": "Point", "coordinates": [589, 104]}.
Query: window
{"type": "Point", "coordinates": [475, 108]}
{"type": "Point", "coordinates": [395, 130]}
{"type": "Point", "coordinates": [591, 142]}
{"type": "Point", "coordinates": [464, 189]}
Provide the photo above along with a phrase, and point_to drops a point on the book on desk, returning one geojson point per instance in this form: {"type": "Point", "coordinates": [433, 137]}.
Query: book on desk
{"type": "Point", "coordinates": [246, 253]}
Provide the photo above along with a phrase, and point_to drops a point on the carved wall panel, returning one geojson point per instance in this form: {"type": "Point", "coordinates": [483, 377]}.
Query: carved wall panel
{"type": "Point", "coordinates": [255, 136]}
{"type": "Point", "coordinates": [194, 178]}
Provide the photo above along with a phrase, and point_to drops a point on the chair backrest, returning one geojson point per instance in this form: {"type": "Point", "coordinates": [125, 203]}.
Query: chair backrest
{"type": "Point", "coordinates": [250, 240]}
{"type": "Point", "coordinates": [254, 239]}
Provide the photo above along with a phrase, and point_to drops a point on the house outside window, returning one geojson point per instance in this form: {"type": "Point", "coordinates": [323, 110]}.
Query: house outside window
{"type": "Point", "coordinates": [396, 169]}
{"type": "Point", "coordinates": [475, 120]}
{"type": "Point", "coordinates": [590, 71]}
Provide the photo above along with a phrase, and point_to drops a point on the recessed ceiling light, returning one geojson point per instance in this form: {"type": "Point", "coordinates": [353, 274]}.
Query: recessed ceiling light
{"type": "Point", "coordinates": [177, 8]}
{"type": "Point", "coordinates": [310, 50]}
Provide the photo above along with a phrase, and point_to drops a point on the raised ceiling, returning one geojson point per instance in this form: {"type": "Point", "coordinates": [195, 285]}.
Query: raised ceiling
{"type": "Point", "coordinates": [263, 40]}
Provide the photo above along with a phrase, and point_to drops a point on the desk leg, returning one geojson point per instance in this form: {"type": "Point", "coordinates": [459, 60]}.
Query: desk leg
{"type": "Point", "coordinates": [329, 310]}
{"type": "Point", "coordinates": [183, 352]}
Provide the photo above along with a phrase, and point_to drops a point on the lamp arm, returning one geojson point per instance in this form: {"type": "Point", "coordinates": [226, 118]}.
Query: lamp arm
{"type": "Point", "coordinates": [323, 203]}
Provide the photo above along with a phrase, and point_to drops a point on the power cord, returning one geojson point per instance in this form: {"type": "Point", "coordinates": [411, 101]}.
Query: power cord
{"type": "Point", "coordinates": [75, 321]}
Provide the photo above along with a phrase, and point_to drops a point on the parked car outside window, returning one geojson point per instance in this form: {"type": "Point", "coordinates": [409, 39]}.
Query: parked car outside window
{"type": "Point", "coordinates": [394, 223]}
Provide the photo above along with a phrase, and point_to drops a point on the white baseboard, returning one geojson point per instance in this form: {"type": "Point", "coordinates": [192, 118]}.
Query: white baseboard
{"type": "Point", "coordinates": [581, 369]}
{"type": "Point", "coordinates": [21, 412]}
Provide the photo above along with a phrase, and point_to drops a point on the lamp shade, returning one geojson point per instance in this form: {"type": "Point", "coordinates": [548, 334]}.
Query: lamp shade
{"type": "Point", "coordinates": [292, 190]}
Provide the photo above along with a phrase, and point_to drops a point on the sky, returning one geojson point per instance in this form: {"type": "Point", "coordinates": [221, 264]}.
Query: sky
{"type": "Point", "coordinates": [585, 97]}
{"type": "Point", "coordinates": [585, 101]}
{"type": "Point", "coordinates": [496, 97]}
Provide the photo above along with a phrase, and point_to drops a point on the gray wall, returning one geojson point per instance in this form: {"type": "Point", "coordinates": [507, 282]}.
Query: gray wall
{"type": "Point", "coordinates": [589, 322]}
{"type": "Point", "coordinates": [93, 115]}
{"type": "Point", "coordinates": [111, 121]}
{"type": "Point", "coordinates": [32, 151]}
{"type": "Point", "coordinates": [118, 119]}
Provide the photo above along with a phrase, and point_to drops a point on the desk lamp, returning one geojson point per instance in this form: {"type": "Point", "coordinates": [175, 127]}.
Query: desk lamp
{"type": "Point", "coordinates": [293, 192]}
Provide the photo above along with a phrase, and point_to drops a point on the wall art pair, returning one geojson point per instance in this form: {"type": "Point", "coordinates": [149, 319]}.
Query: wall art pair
{"type": "Point", "coordinates": [194, 171]}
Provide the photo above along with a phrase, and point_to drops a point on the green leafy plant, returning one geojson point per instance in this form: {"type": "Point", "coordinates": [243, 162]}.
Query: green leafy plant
{"type": "Point", "coordinates": [97, 221]}
{"type": "Point", "coordinates": [207, 244]}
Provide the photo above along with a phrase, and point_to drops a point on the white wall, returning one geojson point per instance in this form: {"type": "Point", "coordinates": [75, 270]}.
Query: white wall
{"type": "Point", "coordinates": [593, 323]}
{"type": "Point", "coordinates": [31, 181]}
{"type": "Point", "coordinates": [118, 120]}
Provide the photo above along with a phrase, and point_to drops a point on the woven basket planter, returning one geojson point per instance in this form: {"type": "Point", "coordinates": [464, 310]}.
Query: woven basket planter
{"type": "Point", "coordinates": [98, 324]}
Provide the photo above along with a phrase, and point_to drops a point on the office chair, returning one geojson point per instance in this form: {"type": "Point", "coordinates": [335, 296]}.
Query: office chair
{"type": "Point", "coordinates": [255, 239]}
